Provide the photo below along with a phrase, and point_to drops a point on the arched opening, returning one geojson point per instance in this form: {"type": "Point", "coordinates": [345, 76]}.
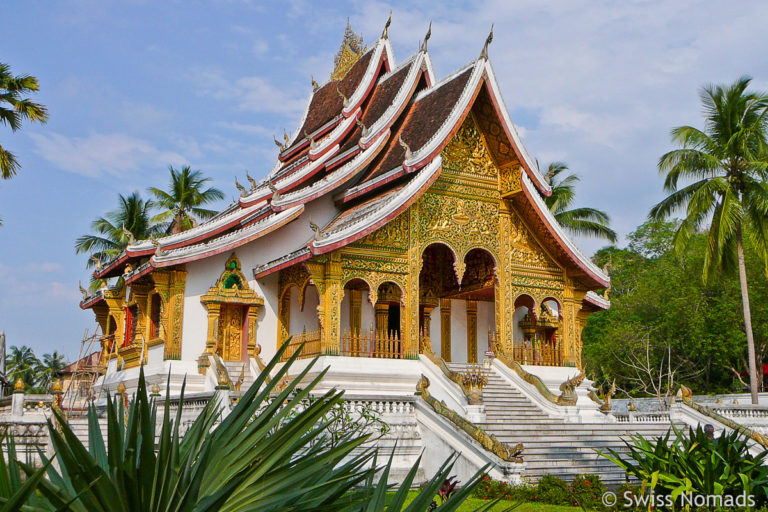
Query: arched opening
{"type": "Point", "coordinates": [457, 315]}
{"type": "Point", "coordinates": [549, 332]}
{"type": "Point", "coordinates": [524, 330]}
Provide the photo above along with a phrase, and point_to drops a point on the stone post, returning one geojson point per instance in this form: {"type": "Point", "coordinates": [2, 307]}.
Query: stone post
{"type": "Point", "coordinates": [221, 395]}
{"type": "Point", "coordinates": [17, 401]}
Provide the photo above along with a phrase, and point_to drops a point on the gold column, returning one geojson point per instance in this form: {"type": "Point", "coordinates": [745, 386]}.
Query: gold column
{"type": "Point", "coordinates": [214, 312]}
{"type": "Point", "coordinates": [571, 346]}
{"type": "Point", "coordinates": [355, 310]}
{"type": "Point", "coordinates": [170, 285]}
{"type": "Point", "coordinates": [445, 329]}
{"type": "Point", "coordinates": [327, 278]}
{"type": "Point", "coordinates": [471, 331]}
{"type": "Point", "coordinates": [503, 293]}
{"type": "Point", "coordinates": [284, 318]}
{"type": "Point", "coordinates": [140, 295]}
{"type": "Point", "coordinates": [252, 324]}
{"type": "Point", "coordinates": [428, 318]}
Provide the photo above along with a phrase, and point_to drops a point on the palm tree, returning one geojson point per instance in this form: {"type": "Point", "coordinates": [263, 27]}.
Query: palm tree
{"type": "Point", "coordinates": [580, 221]}
{"type": "Point", "coordinates": [14, 109]}
{"type": "Point", "coordinates": [49, 368]}
{"type": "Point", "coordinates": [22, 364]}
{"type": "Point", "coordinates": [182, 201]}
{"type": "Point", "coordinates": [114, 231]}
{"type": "Point", "coordinates": [727, 162]}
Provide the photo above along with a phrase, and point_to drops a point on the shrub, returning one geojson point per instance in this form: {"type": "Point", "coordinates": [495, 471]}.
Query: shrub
{"type": "Point", "coordinates": [587, 491]}
{"type": "Point", "coordinates": [553, 490]}
{"type": "Point", "coordinates": [695, 464]}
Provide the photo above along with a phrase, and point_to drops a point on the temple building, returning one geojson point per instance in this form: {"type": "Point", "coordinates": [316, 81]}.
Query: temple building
{"type": "Point", "coordinates": [404, 210]}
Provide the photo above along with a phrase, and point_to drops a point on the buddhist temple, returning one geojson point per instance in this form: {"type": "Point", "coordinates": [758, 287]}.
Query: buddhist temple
{"type": "Point", "coordinates": [403, 218]}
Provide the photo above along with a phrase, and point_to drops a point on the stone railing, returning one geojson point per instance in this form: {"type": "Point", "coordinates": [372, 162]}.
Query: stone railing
{"type": "Point", "coordinates": [488, 441]}
{"type": "Point", "coordinates": [643, 417]}
{"type": "Point", "coordinates": [567, 397]}
{"type": "Point", "coordinates": [470, 382]}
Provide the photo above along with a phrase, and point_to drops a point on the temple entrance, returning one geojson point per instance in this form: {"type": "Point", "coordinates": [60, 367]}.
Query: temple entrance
{"type": "Point", "coordinates": [536, 335]}
{"type": "Point", "coordinates": [231, 340]}
{"type": "Point", "coordinates": [371, 331]}
{"type": "Point", "coordinates": [457, 302]}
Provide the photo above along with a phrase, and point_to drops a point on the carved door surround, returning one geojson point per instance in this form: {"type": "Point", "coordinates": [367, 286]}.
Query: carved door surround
{"type": "Point", "coordinates": [232, 316]}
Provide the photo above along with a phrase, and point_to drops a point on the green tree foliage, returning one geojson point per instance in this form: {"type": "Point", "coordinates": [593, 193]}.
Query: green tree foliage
{"type": "Point", "coordinates": [22, 364]}
{"type": "Point", "coordinates": [37, 373]}
{"type": "Point", "coordinates": [182, 202]}
{"type": "Point", "coordinates": [580, 221]}
{"type": "Point", "coordinates": [723, 169]}
{"type": "Point", "coordinates": [272, 452]}
{"type": "Point", "coordinates": [660, 306]}
{"type": "Point", "coordinates": [114, 232]}
{"type": "Point", "coordinates": [15, 109]}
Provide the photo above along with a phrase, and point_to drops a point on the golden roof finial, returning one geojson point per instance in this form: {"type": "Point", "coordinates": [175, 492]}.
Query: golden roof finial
{"type": "Point", "coordinates": [426, 38]}
{"type": "Point", "coordinates": [155, 389]}
{"type": "Point", "coordinates": [350, 51]}
{"type": "Point", "coordinates": [385, 32]}
{"type": "Point", "coordinates": [121, 387]}
{"type": "Point", "coordinates": [484, 53]}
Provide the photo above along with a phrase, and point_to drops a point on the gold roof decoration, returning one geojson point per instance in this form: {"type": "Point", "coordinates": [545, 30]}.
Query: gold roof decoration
{"type": "Point", "coordinates": [19, 385]}
{"type": "Point", "coordinates": [57, 386]}
{"type": "Point", "coordinates": [350, 51]}
{"type": "Point", "coordinates": [121, 388]}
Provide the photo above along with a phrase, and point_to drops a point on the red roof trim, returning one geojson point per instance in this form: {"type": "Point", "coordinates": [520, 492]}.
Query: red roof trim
{"type": "Point", "coordinates": [597, 281]}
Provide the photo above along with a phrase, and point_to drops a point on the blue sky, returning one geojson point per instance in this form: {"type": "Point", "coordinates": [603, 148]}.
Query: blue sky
{"type": "Point", "coordinates": [134, 86]}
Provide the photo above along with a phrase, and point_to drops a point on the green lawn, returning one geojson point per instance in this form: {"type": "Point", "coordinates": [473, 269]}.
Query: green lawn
{"type": "Point", "coordinates": [475, 503]}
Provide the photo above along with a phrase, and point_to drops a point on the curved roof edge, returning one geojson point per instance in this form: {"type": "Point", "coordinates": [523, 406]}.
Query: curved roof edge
{"type": "Point", "coordinates": [592, 270]}
{"type": "Point", "coordinates": [597, 301]}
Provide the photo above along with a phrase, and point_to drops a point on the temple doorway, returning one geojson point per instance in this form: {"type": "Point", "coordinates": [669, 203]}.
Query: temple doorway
{"type": "Point", "coordinates": [232, 342]}
{"type": "Point", "coordinates": [457, 302]}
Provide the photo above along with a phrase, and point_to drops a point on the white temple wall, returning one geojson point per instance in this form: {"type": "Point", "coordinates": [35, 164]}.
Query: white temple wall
{"type": "Point", "coordinates": [486, 320]}
{"type": "Point", "coordinates": [459, 330]}
{"type": "Point", "coordinates": [517, 333]}
{"type": "Point", "coordinates": [367, 313]}
{"type": "Point", "coordinates": [435, 335]}
{"type": "Point", "coordinates": [306, 318]}
{"type": "Point", "coordinates": [201, 275]}
{"type": "Point", "coordinates": [266, 327]}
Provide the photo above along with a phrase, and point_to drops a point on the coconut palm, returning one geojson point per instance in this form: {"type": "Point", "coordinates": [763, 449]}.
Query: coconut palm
{"type": "Point", "coordinates": [114, 231]}
{"type": "Point", "coordinates": [580, 221]}
{"type": "Point", "coordinates": [726, 162]}
{"type": "Point", "coordinates": [49, 367]}
{"type": "Point", "coordinates": [183, 200]}
{"type": "Point", "coordinates": [22, 364]}
{"type": "Point", "coordinates": [14, 109]}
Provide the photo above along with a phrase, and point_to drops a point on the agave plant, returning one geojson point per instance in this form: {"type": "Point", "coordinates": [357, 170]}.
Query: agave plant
{"type": "Point", "coordinates": [16, 492]}
{"type": "Point", "coordinates": [693, 463]}
{"type": "Point", "coordinates": [273, 452]}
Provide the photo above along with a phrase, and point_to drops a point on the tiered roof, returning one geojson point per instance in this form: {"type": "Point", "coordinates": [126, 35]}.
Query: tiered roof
{"type": "Point", "coordinates": [370, 139]}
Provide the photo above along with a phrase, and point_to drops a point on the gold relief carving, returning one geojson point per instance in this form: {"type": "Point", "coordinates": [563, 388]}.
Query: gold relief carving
{"type": "Point", "coordinates": [461, 223]}
{"type": "Point", "coordinates": [509, 180]}
{"type": "Point", "coordinates": [467, 152]}
{"type": "Point", "coordinates": [351, 50]}
{"type": "Point", "coordinates": [523, 248]}
{"type": "Point", "coordinates": [296, 275]}
{"type": "Point", "coordinates": [392, 235]}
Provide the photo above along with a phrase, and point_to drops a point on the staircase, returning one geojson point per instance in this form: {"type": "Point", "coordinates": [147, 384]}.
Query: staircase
{"type": "Point", "coordinates": [551, 445]}
{"type": "Point", "coordinates": [235, 368]}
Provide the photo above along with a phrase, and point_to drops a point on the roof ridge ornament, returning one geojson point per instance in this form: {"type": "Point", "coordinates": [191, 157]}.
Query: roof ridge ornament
{"type": "Point", "coordinates": [156, 244]}
{"type": "Point", "coordinates": [279, 144]}
{"type": "Point", "coordinates": [312, 143]}
{"type": "Point", "coordinates": [314, 227]}
{"type": "Point", "coordinates": [251, 181]}
{"type": "Point", "coordinates": [344, 99]}
{"type": "Point", "coordinates": [363, 129]}
{"type": "Point", "coordinates": [385, 32]}
{"type": "Point", "coordinates": [96, 261]}
{"type": "Point", "coordinates": [82, 290]}
{"type": "Point", "coordinates": [488, 40]}
{"type": "Point", "coordinates": [128, 235]}
{"type": "Point", "coordinates": [426, 38]}
{"type": "Point", "coordinates": [286, 138]}
{"type": "Point", "coordinates": [273, 189]}
{"type": "Point", "coordinates": [408, 152]}
{"type": "Point", "coordinates": [315, 85]}
{"type": "Point", "coordinates": [238, 186]}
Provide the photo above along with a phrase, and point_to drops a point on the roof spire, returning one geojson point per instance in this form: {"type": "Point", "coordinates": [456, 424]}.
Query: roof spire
{"type": "Point", "coordinates": [426, 38]}
{"type": "Point", "coordinates": [484, 53]}
{"type": "Point", "coordinates": [350, 51]}
{"type": "Point", "coordinates": [385, 32]}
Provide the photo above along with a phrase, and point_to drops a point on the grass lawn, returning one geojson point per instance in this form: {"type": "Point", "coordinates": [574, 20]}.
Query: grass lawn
{"type": "Point", "coordinates": [474, 503]}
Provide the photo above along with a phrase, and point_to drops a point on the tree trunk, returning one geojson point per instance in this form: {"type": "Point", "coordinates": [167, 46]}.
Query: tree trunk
{"type": "Point", "coordinates": [753, 377]}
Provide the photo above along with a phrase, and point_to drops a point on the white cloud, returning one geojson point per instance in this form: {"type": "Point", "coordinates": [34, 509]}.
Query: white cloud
{"type": "Point", "coordinates": [101, 154]}
{"type": "Point", "coordinates": [250, 93]}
